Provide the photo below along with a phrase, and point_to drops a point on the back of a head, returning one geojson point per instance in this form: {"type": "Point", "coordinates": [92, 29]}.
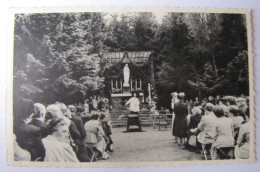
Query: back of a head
{"type": "Point", "coordinates": [55, 111]}
{"type": "Point", "coordinates": [209, 107]}
{"type": "Point", "coordinates": [181, 96]}
{"type": "Point", "coordinates": [62, 106]}
{"type": "Point", "coordinates": [102, 116]}
{"type": "Point", "coordinates": [234, 110]}
{"type": "Point", "coordinates": [79, 111]}
{"type": "Point", "coordinates": [196, 110]}
{"type": "Point", "coordinates": [94, 116]}
{"type": "Point", "coordinates": [218, 111]}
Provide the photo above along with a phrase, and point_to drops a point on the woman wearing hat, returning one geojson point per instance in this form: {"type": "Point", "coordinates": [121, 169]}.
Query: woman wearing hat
{"type": "Point", "coordinates": [57, 145]}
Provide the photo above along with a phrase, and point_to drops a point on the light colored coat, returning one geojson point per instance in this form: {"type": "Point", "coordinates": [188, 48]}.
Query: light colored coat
{"type": "Point", "coordinates": [95, 135]}
{"type": "Point", "coordinates": [242, 149]}
{"type": "Point", "coordinates": [58, 151]}
{"type": "Point", "coordinates": [134, 104]}
{"type": "Point", "coordinates": [223, 133]}
{"type": "Point", "coordinates": [92, 129]}
{"type": "Point", "coordinates": [206, 126]}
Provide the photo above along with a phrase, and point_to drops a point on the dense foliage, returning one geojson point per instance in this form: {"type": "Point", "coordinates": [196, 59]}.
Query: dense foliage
{"type": "Point", "coordinates": [62, 57]}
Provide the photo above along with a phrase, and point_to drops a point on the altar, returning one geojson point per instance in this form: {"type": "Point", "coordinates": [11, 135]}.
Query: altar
{"type": "Point", "coordinates": [130, 73]}
{"type": "Point", "coordinates": [120, 93]}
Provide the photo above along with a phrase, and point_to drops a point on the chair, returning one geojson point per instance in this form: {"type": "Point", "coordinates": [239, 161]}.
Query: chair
{"type": "Point", "coordinates": [162, 120]}
{"type": "Point", "coordinates": [206, 151]}
{"type": "Point", "coordinates": [225, 152]}
{"type": "Point", "coordinates": [92, 153]}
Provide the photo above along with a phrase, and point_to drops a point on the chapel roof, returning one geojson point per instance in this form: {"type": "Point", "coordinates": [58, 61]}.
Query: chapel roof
{"type": "Point", "coordinates": [137, 57]}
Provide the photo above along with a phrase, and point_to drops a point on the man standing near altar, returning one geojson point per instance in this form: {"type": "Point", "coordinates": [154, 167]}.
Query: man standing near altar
{"type": "Point", "coordinates": [133, 117]}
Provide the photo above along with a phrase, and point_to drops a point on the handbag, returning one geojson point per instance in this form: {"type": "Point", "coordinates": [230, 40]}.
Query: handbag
{"type": "Point", "coordinates": [193, 140]}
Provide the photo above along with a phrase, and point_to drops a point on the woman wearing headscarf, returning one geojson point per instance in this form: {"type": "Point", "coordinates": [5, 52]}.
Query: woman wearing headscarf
{"type": "Point", "coordinates": [57, 145]}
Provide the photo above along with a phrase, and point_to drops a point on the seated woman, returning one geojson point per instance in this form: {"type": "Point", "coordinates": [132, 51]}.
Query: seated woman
{"type": "Point", "coordinates": [236, 119]}
{"type": "Point", "coordinates": [193, 124]}
{"type": "Point", "coordinates": [243, 140]}
{"type": "Point", "coordinates": [205, 128]}
{"type": "Point", "coordinates": [95, 136]}
{"type": "Point", "coordinates": [57, 145]}
{"type": "Point", "coordinates": [223, 132]}
{"type": "Point", "coordinates": [106, 126]}
{"type": "Point", "coordinates": [195, 118]}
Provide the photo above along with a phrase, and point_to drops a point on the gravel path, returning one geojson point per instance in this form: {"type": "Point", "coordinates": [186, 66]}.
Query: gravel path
{"type": "Point", "coordinates": [150, 145]}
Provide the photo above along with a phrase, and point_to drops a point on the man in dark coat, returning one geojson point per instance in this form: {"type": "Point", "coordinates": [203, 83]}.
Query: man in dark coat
{"type": "Point", "coordinates": [180, 122]}
{"type": "Point", "coordinates": [29, 138]}
{"type": "Point", "coordinates": [83, 154]}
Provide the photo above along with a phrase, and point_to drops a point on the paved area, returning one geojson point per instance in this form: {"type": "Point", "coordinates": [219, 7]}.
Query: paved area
{"type": "Point", "coordinates": [150, 145]}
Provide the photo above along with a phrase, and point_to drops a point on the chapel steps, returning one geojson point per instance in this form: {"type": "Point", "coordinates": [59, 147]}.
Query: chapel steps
{"type": "Point", "coordinates": [119, 110]}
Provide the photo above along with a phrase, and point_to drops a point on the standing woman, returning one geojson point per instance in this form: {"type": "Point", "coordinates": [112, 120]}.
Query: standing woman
{"type": "Point", "coordinates": [180, 122]}
{"type": "Point", "coordinates": [173, 101]}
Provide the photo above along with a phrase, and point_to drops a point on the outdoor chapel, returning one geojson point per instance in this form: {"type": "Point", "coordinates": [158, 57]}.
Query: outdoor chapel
{"type": "Point", "coordinates": [126, 87]}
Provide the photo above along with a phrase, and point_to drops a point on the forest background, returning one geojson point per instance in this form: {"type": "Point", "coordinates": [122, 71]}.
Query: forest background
{"type": "Point", "coordinates": [59, 55]}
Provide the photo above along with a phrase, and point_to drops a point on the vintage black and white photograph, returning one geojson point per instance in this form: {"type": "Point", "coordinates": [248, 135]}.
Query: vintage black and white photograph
{"type": "Point", "coordinates": [131, 86]}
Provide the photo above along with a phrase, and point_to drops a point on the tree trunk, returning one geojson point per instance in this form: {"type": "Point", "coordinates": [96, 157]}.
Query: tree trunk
{"type": "Point", "coordinates": [214, 64]}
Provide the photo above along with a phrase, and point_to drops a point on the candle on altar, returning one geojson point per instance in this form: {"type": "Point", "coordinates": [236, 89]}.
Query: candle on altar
{"type": "Point", "coordinates": [121, 83]}
{"type": "Point", "coordinates": [116, 84]}
{"type": "Point", "coordinates": [149, 93]}
{"type": "Point", "coordinates": [111, 84]}
{"type": "Point", "coordinates": [135, 84]}
{"type": "Point", "coordinates": [140, 84]}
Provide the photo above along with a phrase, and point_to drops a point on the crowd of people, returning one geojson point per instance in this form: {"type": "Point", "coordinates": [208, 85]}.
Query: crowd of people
{"type": "Point", "coordinates": [60, 133]}
{"type": "Point", "coordinates": [218, 128]}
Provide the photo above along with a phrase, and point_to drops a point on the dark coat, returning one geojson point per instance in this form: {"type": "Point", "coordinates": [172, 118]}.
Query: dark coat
{"type": "Point", "coordinates": [29, 138]}
{"type": "Point", "coordinates": [194, 121]}
{"type": "Point", "coordinates": [83, 153]}
{"type": "Point", "coordinates": [79, 124]}
{"type": "Point", "coordinates": [180, 120]}
{"type": "Point", "coordinates": [74, 132]}
{"type": "Point", "coordinates": [45, 130]}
